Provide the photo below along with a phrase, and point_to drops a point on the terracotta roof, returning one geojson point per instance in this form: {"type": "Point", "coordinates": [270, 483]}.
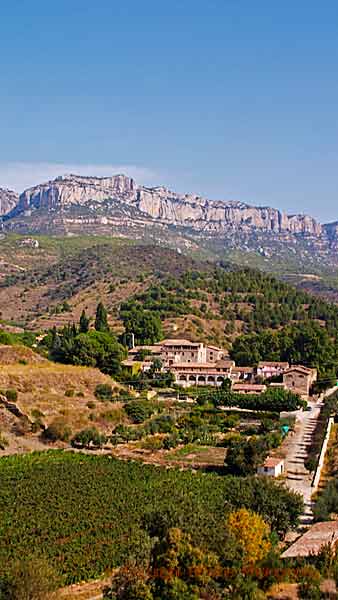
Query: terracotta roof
{"type": "Point", "coordinates": [301, 369]}
{"type": "Point", "coordinates": [311, 542]}
{"type": "Point", "coordinates": [254, 387]}
{"type": "Point", "coordinates": [177, 342]}
{"type": "Point", "coordinates": [137, 349]}
{"type": "Point", "coordinates": [215, 348]}
{"type": "Point", "coordinates": [243, 370]}
{"type": "Point", "coordinates": [196, 365]}
{"type": "Point", "coordinates": [273, 461]}
{"type": "Point", "coordinates": [264, 363]}
{"type": "Point", "coordinates": [225, 363]}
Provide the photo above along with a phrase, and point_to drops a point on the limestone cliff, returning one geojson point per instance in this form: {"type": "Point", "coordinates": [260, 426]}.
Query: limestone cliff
{"type": "Point", "coordinates": [158, 204]}
{"type": "Point", "coordinates": [8, 201]}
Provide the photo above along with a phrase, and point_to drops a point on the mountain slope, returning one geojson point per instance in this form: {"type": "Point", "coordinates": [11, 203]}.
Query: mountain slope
{"type": "Point", "coordinates": [8, 201]}
{"type": "Point", "coordinates": [258, 236]}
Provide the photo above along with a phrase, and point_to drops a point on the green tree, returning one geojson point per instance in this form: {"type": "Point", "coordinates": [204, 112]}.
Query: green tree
{"type": "Point", "coordinates": [84, 322]}
{"type": "Point", "coordinates": [89, 438]}
{"type": "Point", "coordinates": [145, 325]}
{"type": "Point", "coordinates": [101, 318]}
{"type": "Point", "coordinates": [180, 569]}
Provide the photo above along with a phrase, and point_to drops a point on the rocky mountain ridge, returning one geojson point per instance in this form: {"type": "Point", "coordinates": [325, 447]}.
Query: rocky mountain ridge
{"type": "Point", "coordinates": [101, 194]}
{"type": "Point", "coordinates": [118, 206]}
{"type": "Point", "coordinates": [8, 200]}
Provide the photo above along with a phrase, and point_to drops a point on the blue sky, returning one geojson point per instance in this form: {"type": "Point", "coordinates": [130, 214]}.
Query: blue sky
{"type": "Point", "coordinates": [233, 99]}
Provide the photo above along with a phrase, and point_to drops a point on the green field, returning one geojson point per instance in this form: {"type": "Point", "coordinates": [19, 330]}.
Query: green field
{"type": "Point", "coordinates": [87, 514]}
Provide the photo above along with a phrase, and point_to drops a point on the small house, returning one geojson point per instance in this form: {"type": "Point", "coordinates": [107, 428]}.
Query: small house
{"type": "Point", "coordinates": [272, 467]}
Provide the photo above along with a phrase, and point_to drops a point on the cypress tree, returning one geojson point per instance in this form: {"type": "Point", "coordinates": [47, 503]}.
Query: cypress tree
{"type": "Point", "coordinates": [84, 322]}
{"type": "Point", "coordinates": [101, 320]}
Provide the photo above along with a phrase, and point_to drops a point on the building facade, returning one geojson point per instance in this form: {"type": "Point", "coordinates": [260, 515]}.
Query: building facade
{"type": "Point", "coordinates": [299, 379]}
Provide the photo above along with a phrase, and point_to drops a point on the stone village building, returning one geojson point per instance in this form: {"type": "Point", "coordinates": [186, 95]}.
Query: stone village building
{"type": "Point", "coordinates": [196, 363]}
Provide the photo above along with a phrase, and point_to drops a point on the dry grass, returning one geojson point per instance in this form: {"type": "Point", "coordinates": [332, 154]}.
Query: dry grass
{"type": "Point", "coordinates": [10, 355]}
{"type": "Point", "coordinates": [55, 390]}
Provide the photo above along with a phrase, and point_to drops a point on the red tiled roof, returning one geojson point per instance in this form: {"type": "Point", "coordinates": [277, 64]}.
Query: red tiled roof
{"type": "Point", "coordinates": [272, 461]}
{"type": "Point", "coordinates": [276, 364]}
{"type": "Point", "coordinates": [311, 542]}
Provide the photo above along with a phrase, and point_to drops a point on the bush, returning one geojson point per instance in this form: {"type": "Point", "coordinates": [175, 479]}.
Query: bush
{"type": "Point", "coordinates": [89, 438]}
{"type": "Point", "coordinates": [3, 442]}
{"type": "Point", "coordinates": [139, 410]}
{"type": "Point", "coordinates": [91, 404]}
{"type": "Point", "coordinates": [153, 443]}
{"type": "Point", "coordinates": [69, 393]}
{"type": "Point", "coordinates": [104, 391]}
{"type": "Point", "coordinates": [30, 579]}
{"type": "Point", "coordinates": [170, 441]}
{"type": "Point", "coordinates": [161, 424]}
{"type": "Point", "coordinates": [57, 430]}
{"type": "Point", "coordinates": [11, 395]}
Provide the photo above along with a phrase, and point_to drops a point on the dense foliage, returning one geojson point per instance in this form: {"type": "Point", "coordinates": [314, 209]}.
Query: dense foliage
{"type": "Point", "coordinates": [308, 344]}
{"type": "Point", "coordinates": [92, 349]}
{"type": "Point", "coordinates": [93, 513]}
{"type": "Point", "coordinates": [274, 399]}
{"type": "Point", "coordinates": [146, 326]}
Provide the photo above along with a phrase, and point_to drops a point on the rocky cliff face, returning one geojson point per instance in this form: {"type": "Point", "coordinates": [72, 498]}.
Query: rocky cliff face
{"type": "Point", "coordinates": [157, 204]}
{"type": "Point", "coordinates": [8, 201]}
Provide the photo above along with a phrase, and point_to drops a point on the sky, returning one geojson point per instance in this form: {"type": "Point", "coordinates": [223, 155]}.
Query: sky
{"type": "Point", "coordinates": [231, 99]}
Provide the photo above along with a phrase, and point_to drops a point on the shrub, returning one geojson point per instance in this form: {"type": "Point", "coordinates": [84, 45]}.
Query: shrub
{"type": "Point", "coordinates": [89, 438]}
{"type": "Point", "coordinates": [170, 441]}
{"type": "Point", "coordinates": [91, 404]}
{"type": "Point", "coordinates": [69, 393]}
{"type": "Point", "coordinates": [3, 442]}
{"type": "Point", "coordinates": [36, 413]}
{"type": "Point", "coordinates": [57, 430]}
{"type": "Point", "coordinates": [30, 579]}
{"type": "Point", "coordinates": [139, 410]}
{"type": "Point", "coordinates": [37, 426]}
{"type": "Point", "coordinates": [152, 443]}
{"type": "Point", "coordinates": [11, 395]}
{"type": "Point", "coordinates": [161, 424]}
{"type": "Point", "coordinates": [104, 391]}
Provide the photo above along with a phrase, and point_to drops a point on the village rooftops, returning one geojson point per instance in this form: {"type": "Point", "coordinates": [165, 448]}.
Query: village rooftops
{"type": "Point", "coordinates": [226, 364]}
{"type": "Point", "coordinates": [153, 349]}
{"type": "Point", "coordinates": [178, 342]}
{"type": "Point", "coordinates": [243, 370]}
{"type": "Point", "coordinates": [300, 369]}
{"type": "Point", "coordinates": [273, 364]}
{"type": "Point", "coordinates": [312, 541]}
{"type": "Point", "coordinates": [249, 387]}
{"type": "Point", "coordinates": [221, 364]}
{"type": "Point", "coordinates": [216, 348]}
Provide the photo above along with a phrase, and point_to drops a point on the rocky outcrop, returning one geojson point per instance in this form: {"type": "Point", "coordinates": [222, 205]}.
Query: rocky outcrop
{"type": "Point", "coordinates": [8, 200]}
{"type": "Point", "coordinates": [121, 193]}
{"type": "Point", "coordinates": [331, 230]}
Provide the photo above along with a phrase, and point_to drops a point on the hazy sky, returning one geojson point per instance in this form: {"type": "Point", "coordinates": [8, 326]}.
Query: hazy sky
{"type": "Point", "coordinates": [234, 99]}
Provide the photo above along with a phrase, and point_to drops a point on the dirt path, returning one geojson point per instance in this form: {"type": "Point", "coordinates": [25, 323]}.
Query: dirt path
{"type": "Point", "coordinates": [92, 590]}
{"type": "Point", "coordinates": [298, 478]}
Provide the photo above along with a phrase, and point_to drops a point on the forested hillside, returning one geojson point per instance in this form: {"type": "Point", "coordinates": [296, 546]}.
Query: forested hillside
{"type": "Point", "coordinates": [254, 315]}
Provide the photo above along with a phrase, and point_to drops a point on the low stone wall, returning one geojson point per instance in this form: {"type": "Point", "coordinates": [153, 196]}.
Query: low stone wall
{"type": "Point", "coordinates": [316, 479]}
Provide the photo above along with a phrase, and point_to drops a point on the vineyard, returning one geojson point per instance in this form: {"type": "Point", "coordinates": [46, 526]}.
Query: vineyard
{"type": "Point", "coordinates": [88, 514]}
